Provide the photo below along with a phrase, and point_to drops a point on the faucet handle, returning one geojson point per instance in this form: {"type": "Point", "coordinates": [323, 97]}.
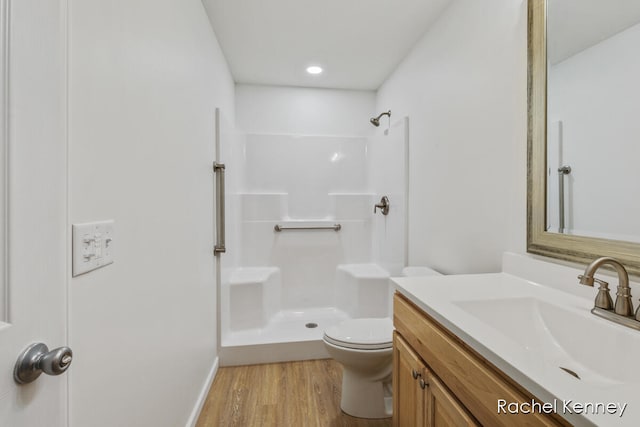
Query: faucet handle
{"type": "Point", "coordinates": [586, 280]}
{"type": "Point", "coordinates": [603, 298]}
{"type": "Point", "coordinates": [602, 283]}
{"type": "Point", "coordinates": [589, 281]}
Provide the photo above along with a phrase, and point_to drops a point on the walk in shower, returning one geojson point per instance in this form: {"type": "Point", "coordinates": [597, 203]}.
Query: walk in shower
{"type": "Point", "coordinates": [303, 246]}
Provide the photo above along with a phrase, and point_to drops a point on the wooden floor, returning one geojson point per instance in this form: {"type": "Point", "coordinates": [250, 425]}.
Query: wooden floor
{"type": "Point", "coordinates": [296, 394]}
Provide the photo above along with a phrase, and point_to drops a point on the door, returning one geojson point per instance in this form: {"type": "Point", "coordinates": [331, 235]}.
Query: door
{"type": "Point", "coordinates": [444, 410]}
{"type": "Point", "coordinates": [33, 252]}
{"type": "Point", "coordinates": [408, 385]}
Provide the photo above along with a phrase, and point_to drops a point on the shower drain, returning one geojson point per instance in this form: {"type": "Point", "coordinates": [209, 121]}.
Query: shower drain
{"type": "Point", "coordinates": [311, 325]}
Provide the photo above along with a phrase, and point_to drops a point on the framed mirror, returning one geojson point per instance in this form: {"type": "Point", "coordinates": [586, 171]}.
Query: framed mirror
{"type": "Point", "coordinates": [583, 130]}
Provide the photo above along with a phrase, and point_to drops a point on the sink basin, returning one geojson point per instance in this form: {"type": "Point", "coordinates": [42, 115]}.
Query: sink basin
{"type": "Point", "coordinates": [534, 323]}
{"type": "Point", "coordinates": [556, 337]}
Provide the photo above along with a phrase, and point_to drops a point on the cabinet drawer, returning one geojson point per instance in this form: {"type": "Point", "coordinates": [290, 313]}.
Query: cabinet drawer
{"type": "Point", "coordinates": [470, 377]}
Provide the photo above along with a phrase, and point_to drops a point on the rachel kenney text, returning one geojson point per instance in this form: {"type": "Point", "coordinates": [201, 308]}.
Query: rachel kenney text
{"type": "Point", "coordinates": [561, 406]}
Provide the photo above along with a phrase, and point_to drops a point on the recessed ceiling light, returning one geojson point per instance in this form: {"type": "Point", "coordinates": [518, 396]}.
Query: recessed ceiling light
{"type": "Point", "coordinates": [314, 69]}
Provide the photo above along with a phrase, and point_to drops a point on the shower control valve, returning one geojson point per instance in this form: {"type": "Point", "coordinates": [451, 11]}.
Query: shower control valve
{"type": "Point", "coordinates": [383, 205]}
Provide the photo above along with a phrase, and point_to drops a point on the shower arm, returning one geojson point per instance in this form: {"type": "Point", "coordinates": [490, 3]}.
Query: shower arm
{"type": "Point", "coordinates": [386, 113]}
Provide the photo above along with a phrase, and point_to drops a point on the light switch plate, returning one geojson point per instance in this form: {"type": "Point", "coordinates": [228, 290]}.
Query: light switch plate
{"type": "Point", "coordinates": [93, 246]}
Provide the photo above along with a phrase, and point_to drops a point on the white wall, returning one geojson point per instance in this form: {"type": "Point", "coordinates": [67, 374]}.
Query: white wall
{"type": "Point", "coordinates": [145, 78]}
{"type": "Point", "coordinates": [594, 93]}
{"type": "Point", "coordinates": [464, 89]}
{"type": "Point", "coordinates": [306, 168]}
{"type": "Point", "coordinates": [387, 176]}
{"type": "Point", "coordinates": [309, 179]}
{"type": "Point", "coordinates": [231, 154]}
{"type": "Point", "coordinates": [306, 111]}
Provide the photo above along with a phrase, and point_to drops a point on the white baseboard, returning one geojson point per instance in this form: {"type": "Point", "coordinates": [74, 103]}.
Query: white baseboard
{"type": "Point", "coordinates": [193, 418]}
{"type": "Point", "coordinates": [272, 353]}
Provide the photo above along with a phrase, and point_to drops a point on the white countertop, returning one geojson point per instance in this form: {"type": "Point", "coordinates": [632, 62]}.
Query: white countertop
{"type": "Point", "coordinates": [529, 330]}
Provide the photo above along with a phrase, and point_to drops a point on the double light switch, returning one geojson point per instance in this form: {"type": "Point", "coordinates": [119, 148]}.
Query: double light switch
{"type": "Point", "coordinates": [93, 245]}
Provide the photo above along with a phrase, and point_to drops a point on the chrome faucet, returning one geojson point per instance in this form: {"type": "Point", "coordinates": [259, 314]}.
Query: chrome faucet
{"type": "Point", "coordinates": [623, 308]}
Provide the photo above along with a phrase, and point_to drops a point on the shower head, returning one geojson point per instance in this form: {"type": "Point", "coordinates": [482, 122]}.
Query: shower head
{"type": "Point", "coordinates": [376, 120]}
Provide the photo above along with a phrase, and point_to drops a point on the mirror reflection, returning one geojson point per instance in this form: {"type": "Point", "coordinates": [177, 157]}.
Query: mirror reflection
{"type": "Point", "coordinates": [593, 120]}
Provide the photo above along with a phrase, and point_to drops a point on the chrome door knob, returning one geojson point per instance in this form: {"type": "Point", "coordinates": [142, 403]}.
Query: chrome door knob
{"type": "Point", "coordinates": [37, 358]}
{"type": "Point", "coordinates": [383, 206]}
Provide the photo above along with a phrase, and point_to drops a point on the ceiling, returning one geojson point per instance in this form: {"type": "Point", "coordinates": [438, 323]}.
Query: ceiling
{"type": "Point", "coordinates": [357, 42]}
{"type": "Point", "coordinates": [575, 25]}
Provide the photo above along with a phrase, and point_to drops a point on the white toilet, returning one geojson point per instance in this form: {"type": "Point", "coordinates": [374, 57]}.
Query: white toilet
{"type": "Point", "coordinates": [419, 271]}
{"type": "Point", "coordinates": [364, 347]}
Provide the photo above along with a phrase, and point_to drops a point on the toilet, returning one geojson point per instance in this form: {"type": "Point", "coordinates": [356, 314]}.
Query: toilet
{"type": "Point", "coordinates": [419, 271]}
{"type": "Point", "coordinates": [364, 347]}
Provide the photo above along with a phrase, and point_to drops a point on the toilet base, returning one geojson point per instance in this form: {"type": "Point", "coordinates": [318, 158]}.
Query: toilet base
{"type": "Point", "coordinates": [363, 398]}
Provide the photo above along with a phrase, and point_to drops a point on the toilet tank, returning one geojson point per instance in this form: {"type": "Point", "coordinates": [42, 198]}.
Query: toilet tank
{"type": "Point", "coordinates": [415, 271]}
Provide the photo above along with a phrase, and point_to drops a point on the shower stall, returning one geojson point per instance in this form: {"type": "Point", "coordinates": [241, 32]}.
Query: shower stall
{"type": "Point", "coordinates": [303, 248]}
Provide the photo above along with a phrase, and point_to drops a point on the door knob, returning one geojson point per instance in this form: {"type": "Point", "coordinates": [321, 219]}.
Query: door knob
{"type": "Point", "coordinates": [37, 358]}
{"type": "Point", "coordinates": [383, 206]}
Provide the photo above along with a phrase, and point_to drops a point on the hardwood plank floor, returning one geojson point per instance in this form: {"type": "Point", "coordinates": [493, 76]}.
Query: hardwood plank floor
{"type": "Point", "coordinates": [296, 394]}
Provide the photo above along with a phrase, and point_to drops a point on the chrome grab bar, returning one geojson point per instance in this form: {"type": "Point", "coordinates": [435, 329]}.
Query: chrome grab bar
{"type": "Point", "coordinates": [334, 227]}
{"type": "Point", "coordinates": [562, 171]}
{"type": "Point", "coordinates": [218, 169]}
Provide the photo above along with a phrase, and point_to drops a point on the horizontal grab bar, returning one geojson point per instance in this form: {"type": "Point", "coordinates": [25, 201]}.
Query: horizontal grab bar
{"type": "Point", "coordinates": [334, 227]}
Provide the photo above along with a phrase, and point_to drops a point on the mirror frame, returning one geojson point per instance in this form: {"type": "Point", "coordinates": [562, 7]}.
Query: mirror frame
{"type": "Point", "coordinates": [566, 247]}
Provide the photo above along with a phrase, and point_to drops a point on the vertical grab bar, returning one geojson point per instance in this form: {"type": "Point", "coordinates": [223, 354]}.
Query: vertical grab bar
{"type": "Point", "coordinates": [562, 171]}
{"type": "Point", "coordinates": [218, 169]}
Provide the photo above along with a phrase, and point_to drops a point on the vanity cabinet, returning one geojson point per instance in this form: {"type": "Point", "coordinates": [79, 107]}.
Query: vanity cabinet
{"type": "Point", "coordinates": [420, 399]}
{"type": "Point", "coordinates": [461, 388]}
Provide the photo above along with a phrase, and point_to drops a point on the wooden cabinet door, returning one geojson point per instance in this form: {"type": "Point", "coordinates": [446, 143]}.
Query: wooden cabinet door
{"type": "Point", "coordinates": [408, 398]}
{"type": "Point", "coordinates": [444, 410]}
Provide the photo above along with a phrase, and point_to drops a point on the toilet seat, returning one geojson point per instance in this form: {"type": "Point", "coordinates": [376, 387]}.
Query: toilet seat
{"type": "Point", "coordinates": [361, 334]}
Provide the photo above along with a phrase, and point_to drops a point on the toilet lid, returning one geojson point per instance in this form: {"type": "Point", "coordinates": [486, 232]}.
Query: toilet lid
{"type": "Point", "coordinates": [363, 334]}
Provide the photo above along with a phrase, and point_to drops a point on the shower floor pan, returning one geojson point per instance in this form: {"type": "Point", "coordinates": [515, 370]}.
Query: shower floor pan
{"type": "Point", "coordinates": [289, 335]}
